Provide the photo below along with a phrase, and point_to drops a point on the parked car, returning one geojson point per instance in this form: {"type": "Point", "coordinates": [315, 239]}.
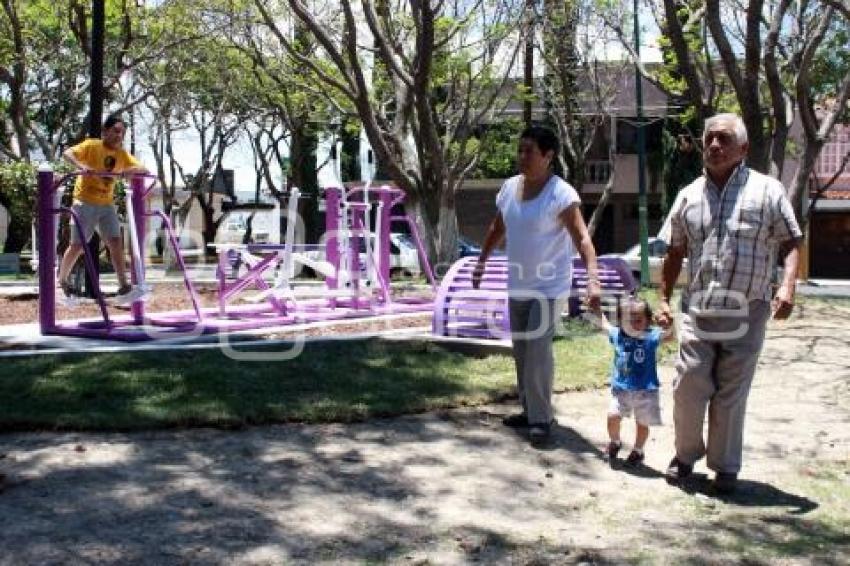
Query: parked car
{"type": "Point", "coordinates": [466, 247]}
{"type": "Point", "coordinates": [657, 248]}
{"type": "Point", "coordinates": [233, 232]}
{"type": "Point", "coordinates": [404, 257]}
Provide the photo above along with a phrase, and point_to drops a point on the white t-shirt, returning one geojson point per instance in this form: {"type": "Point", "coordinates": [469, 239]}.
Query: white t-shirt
{"type": "Point", "coordinates": [540, 250]}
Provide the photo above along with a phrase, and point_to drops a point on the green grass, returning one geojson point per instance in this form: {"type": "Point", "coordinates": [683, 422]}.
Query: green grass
{"type": "Point", "coordinates": [18, 277]}
{"type": "Point", "coordinates": [329, 381]}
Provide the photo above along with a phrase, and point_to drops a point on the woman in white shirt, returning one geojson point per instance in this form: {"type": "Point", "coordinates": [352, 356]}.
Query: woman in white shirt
{"type": "Point", "coordinates": [539, 219]}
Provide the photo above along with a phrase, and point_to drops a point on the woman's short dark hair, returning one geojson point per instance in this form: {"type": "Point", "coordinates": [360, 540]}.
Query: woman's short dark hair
{"type": "Point", "coordinates": [545, 138]}
{"type": "Point", "coordinates": [113, 119]}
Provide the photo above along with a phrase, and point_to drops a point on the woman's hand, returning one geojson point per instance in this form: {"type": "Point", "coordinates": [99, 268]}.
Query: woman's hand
{"type": "Point", "coordinates": [594, 296]}
{"type": "Point", "coordinates": [477, 274]}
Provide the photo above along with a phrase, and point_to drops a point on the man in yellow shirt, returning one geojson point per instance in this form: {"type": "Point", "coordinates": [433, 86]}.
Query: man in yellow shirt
{"type": "Point", "coordinates": [93, 201]}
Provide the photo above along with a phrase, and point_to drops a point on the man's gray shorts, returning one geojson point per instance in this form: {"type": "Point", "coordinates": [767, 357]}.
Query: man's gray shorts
{"type": "Point", "coordinates": [644, 403]}
{"type": "Point", "coordinates": [104, 217]}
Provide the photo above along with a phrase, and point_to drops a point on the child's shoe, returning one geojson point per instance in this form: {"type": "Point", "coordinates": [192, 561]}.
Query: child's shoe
{"type": "Point", "coordinates": [635, 458]}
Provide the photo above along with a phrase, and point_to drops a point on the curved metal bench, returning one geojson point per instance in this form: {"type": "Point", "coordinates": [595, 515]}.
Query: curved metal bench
{"type": "Point", "coordinates": [461, 311]}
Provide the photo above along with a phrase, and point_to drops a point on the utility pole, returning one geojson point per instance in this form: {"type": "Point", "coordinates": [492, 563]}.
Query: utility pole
{"type": "Point", "coordinates": [643, 229]}
{"type": "Point", "coordinates": [98, 25]}
{"type": "Point", "coordinates": [528, 63]}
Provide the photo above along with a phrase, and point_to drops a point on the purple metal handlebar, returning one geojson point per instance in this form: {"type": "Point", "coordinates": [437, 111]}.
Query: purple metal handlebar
{"type": "Point", "coordinates": [145, 193]}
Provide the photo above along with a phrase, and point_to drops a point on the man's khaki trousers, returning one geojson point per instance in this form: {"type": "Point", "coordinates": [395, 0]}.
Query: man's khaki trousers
{"type": "Point", "coordinates": [717, 359]}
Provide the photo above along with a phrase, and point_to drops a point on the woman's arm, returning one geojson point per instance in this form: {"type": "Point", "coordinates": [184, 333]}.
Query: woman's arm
{"type": "Point", "coordinates": [573, 221]}
{"type": "Point", "coordinates": [495, 237]}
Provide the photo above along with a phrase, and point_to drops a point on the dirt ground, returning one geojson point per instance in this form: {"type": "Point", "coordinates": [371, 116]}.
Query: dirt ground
{"type": "Point", "coordinates": [166, 297]}
{"type": "Point", "coordinates": [452, 487]}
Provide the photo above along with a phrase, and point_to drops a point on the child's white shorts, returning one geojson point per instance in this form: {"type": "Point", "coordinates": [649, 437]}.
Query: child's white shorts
{"type": "Point", "coordinates": [644, 403]}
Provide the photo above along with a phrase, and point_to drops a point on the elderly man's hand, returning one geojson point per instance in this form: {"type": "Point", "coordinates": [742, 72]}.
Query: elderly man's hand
{"type": "Point", "coordinates": [783, 303]}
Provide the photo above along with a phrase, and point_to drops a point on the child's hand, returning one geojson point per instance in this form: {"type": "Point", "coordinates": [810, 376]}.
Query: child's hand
{"type": "Point", "coordinates": [664, 315]}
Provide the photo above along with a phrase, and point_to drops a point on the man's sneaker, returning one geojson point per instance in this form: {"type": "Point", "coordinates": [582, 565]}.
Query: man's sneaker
{"type": "Point", "coordinates": [677, 471]}
{"type": "Point", "coordinates": [519, 420]}
{"type": "Point", "coordinates": [634, 458]}
{"type": "Point", "coordinates": [612, 450]}
{"type": "Point", "coordinates": [725, 483]}
{"type": "Point", "coordinates": [128, 294]}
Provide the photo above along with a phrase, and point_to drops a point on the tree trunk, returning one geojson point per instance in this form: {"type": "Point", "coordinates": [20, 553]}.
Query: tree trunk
{"type": "Point", "coordinates": [798, 191]}
{"type": "Point", "coordinates": [758, 155]}
{"type": "Point", "coordinates": [777, 149]}
{"type": "Point", "coordinates": [210, 227]}
{"type": "Point", "coordinates": [448, 228]}
{"type": "Point", "coordinates": [178, 218]}
{"type": "Point", "coordinates": [303, 174]}
{"type": "Point", "coordinates": [596, 217]}
{"type": "Point", "coordinates": [415, 208]}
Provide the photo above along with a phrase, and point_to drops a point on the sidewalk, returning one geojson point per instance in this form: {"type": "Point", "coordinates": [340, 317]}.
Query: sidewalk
{"type": "Point", "coordinates": [825, 287]}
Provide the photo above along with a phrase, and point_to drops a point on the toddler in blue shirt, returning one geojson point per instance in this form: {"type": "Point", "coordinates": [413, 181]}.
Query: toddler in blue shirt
{"type": "Point", "coordinates": [634, 375]}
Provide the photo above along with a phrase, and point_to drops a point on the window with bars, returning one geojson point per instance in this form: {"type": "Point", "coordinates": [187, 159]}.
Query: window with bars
{"type": "Point", "coordinates": [833, 153]}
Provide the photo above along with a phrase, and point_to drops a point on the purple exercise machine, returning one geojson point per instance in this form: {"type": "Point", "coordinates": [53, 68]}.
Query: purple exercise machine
{"type": "Point", "coordinates": [344, 216]}
{"type": "Point", "coordinates": [351, 286]}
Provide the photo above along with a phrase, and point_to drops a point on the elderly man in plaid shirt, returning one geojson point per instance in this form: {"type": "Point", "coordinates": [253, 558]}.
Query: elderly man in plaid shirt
{"type": "Point", "coordinates": [730, 224]}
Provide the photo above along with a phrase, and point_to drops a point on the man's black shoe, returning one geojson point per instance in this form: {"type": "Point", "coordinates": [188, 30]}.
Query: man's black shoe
{"type": "Point", "coordinates": [677, 471]}
{"type": "Point", "coordinates": [519, 420]}
{"type": "Point", "coordinates": [539, 433]}
{"type": "Point", "coordinates": [725, 483]}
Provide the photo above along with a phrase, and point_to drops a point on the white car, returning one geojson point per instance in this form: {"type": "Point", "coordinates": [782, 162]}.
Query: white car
{"type": "Point", "coordinates": [404, 257]}
{"type": "Point", "coordinates": [233, 232]}
{"type": "Point", "coordinates": [657, 248]}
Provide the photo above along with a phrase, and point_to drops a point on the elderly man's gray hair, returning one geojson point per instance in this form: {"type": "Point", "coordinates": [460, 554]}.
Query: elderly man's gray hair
{"type": "Point", "coordinates": [737, 125]}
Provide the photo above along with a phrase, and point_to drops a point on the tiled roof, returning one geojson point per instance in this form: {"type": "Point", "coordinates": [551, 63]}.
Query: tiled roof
{"type": "Point", "coordinates": [836, 195]}
{"type": "Point", "coordinates": [840, 190]}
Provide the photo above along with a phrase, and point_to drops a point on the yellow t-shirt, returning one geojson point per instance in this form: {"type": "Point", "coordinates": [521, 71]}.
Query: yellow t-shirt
{"type": "Point", "coordinates": [92, 152]}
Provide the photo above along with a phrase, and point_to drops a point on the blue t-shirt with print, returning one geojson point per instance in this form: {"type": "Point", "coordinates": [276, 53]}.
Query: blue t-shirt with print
{"type": "Point", "coordinates": [634, 367]}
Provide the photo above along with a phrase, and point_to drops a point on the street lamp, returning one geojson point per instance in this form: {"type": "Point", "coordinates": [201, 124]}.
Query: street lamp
{"type": "Point", "coordinates": [641, 143]}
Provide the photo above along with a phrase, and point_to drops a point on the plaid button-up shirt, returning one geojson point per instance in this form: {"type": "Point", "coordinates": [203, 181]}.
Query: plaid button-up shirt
{"type": "Point", "coordinates": [732, 236]}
